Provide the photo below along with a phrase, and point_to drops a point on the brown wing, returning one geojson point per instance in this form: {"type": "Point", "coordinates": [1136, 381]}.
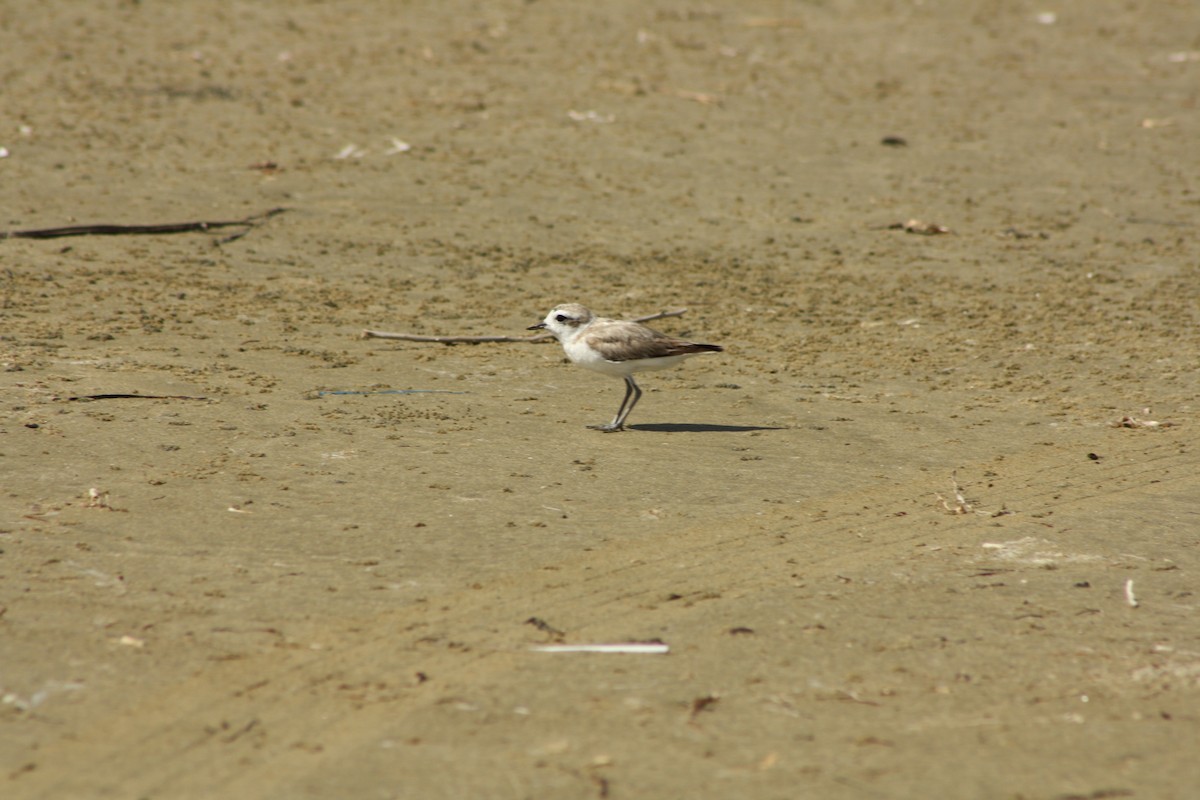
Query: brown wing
{"type": "Point", "coordinates": [628, 342]}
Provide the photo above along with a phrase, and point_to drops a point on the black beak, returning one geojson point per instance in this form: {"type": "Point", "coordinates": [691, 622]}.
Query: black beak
{"type": "Point", "coordinates": [537, 327]}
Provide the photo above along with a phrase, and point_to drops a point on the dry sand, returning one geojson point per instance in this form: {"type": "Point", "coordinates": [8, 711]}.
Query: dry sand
{"type": "Point", "coordinates": [293, 580]}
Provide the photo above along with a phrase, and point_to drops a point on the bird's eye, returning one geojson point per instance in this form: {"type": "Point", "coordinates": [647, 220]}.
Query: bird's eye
{"type": "Point", "coordinates": [560, 318]}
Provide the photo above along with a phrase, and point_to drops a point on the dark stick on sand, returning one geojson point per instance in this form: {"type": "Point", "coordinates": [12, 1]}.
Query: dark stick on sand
{"type": "Point", "coordinates": [124, 230]}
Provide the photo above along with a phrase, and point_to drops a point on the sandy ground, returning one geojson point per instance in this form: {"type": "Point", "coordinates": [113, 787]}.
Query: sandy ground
{"type": "Point", "coordinates": [291, 576]}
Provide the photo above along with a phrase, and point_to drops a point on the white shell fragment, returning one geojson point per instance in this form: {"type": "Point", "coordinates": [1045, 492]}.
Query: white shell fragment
{"type": "Point", "coordinates": [350, 151]}
{"type": "Point", "coordinates": [590, 116]}
{"type": "Point", "coordinates": [398, 146]}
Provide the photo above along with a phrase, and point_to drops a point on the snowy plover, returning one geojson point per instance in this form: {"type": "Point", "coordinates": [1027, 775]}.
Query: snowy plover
{"type": "Point", "coordinates": [618, 348]}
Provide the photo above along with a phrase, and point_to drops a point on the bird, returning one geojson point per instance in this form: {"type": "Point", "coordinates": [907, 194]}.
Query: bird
{"type": "Point", "coordinates": [618, 348]}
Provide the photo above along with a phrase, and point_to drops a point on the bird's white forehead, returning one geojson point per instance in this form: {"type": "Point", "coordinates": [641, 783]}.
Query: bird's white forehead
{"type": "Point", "coordinates": [572, 311]}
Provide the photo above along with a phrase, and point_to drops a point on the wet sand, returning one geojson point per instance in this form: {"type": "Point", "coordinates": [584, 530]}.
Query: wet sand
{"type": "Point", "coordinates": [927, 528]}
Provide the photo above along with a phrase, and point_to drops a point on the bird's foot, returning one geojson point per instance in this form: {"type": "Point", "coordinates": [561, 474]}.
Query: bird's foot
{"type": "Point", "coordinates": [608, 428]}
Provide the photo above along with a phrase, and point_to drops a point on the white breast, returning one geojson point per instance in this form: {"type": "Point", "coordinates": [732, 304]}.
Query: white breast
{"type": "Point", "coordinates": [584, 355]}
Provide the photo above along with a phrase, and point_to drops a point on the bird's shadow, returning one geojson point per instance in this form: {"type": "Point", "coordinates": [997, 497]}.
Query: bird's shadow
{"type": "Point", "coordinates": [700, 427]}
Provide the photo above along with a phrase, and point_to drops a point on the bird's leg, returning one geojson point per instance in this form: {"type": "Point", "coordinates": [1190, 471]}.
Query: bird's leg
{"type": "Point", "coordinates": [637, 395]}
{"type": "Point", "coordinates": [631, 390]}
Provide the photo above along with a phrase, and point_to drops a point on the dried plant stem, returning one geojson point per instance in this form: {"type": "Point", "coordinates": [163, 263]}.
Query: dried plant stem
{"type": "Point", "coordinates": [537, 337]}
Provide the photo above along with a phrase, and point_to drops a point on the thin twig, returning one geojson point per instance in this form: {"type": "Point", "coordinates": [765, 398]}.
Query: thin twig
{"type": "Point", "coordinates": [644, 648]}
{"type": "Point", "coordinates": [537, 337]}
{"type": "Point", "coordinates": [122, 230]}
{"type": "Point", "coordinates": [416, 337]}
